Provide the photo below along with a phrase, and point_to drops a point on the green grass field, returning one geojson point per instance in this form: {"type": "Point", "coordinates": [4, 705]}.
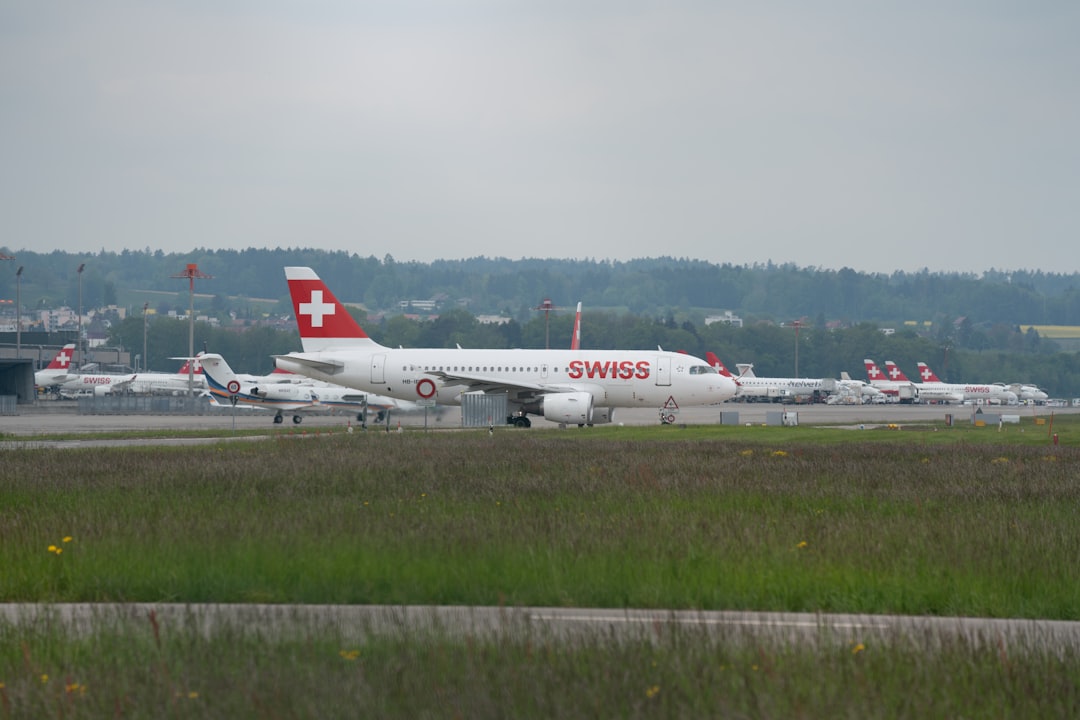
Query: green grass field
{"type": "Point", "coordinates": [944, 521]}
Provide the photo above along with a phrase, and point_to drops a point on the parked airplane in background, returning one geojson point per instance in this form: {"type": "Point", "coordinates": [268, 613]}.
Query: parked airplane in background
{"type": "Point", "coordinates": [307, 396]}
{"type": "Point", "coordinates": [158, 383]}
{"type": "Point", "coordinates": [969, 391]}
{"type": "Point", "coordinates": [564, 386]}
{"type": "Point", "coordinates": [285, 397]}
{"type": "Point", "coordinates": [58, 370]}
{"type": "Point", "coordinates": [753, 387]}
{"type": "Point", "coordinates": [60, 378]}
{"type": "Point", "coordinates": [898, 389]}
{"type": "Point", "coordinates": [774, 389]}
{"type": "Point", "coordinates": [1028, 393]}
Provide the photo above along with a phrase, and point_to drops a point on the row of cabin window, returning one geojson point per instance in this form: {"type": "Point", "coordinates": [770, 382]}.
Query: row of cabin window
{"type": "Point", "coordinates": [413, 368]}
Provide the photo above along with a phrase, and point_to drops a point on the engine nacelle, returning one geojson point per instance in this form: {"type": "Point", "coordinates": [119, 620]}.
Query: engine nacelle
{"type": "Point", "coordinates": [574, 408]}
{"type": "Point", "coordinates": [602, 415]}
{"type": "Point", "coordinates": [102, 390]}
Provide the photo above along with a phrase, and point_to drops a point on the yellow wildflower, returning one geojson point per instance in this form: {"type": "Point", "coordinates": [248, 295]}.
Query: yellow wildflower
{"type": "Point", "coordinates": [652, 691]}
{"type": "Point", "coordinates": [746, 453]}
{"type": "Point", "coordinates": [53, 548]}
{"type": "Point", "coordinates": [801, 544]}
{"type": "Point", "coordinates": [67, 538]}
{"type": "Point", "coordinates": [349, 654]}
{"type": "Point", "coordinates": [858, 649]}
{"type": "Point", "coordinates": [44, 678]}
{"type": "Point", "coordinates": [779, 453]}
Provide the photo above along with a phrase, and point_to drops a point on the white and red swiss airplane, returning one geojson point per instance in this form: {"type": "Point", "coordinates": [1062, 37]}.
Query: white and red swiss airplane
{"type": "Point", "coordinates": [58, 370]}
{"type": "Point", "coordinates": [964, 391]}
{"type": "Point", "coordinates": [59, 377]}
{"type": "Point", "coordinates": [580, 387]}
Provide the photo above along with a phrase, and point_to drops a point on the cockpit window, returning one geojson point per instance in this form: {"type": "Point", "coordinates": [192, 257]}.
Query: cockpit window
{"type": "Point", "coordinates": [703, 370]}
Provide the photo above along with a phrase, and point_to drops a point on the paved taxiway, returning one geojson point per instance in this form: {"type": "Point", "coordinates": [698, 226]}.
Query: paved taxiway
{"type": "Point", "coordinates": [49, 417]}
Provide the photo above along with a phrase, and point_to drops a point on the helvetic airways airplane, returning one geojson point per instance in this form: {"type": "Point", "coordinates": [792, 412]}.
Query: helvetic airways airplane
{"type": "Point", "coordinates": [579, 387]}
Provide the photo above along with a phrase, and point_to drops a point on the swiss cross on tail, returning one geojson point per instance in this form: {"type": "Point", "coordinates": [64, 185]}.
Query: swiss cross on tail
{"type": "Point", "coordinates": [62, 359]}
{"type": "Point", "coordinates": [318, 312]}
{"type": "Point", "coordinates": [927, 374]}
{"type": "Point", "coordinates": [873, 372]}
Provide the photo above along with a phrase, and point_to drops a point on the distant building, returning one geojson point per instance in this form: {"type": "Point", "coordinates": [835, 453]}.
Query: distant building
{"type": "Point", "coordinates": [492, 319]}
{"type": "Point", "coordinates": [728, 318]}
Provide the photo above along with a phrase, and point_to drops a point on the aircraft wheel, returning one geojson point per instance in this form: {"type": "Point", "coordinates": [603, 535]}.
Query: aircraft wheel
{"type": "Point", "coordinates": [277, 419]}
{"type": "Point", "coordinates": [297, 419]}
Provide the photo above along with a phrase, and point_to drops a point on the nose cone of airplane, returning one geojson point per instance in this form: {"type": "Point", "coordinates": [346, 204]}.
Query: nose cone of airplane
{"type": "Point", "coordinates": [728, 388]}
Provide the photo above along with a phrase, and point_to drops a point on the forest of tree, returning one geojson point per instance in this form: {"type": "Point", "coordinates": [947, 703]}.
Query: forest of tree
{"type": "Point", "coordinates": [654, 287]}
{"type": "Point", "coordinates": [971, 333]}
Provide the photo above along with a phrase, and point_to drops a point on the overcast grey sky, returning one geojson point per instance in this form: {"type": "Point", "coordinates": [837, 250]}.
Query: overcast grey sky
{"type": "Point", "coordinates": [873, 135]}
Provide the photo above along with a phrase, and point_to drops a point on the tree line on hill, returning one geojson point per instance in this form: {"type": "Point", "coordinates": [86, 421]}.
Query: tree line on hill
{"type": "Point", "coordinates": [685, 288]}
{"type": "Point", "coordinates": [972, 333]}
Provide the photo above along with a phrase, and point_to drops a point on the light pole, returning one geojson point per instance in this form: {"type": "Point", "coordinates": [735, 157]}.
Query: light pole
{"type": "Point", "coordinates": [18, 312]}
{"type": "Point", "coordinates": [797, 324]}
{"type": "Point", "coordinates": [191, 272]}
{"type": "Point", "coordinates": [145, 363]}
{"type": "Point", "coordinates": [547, 306]}
{"type": "Point", "coordinates": [79, 341]}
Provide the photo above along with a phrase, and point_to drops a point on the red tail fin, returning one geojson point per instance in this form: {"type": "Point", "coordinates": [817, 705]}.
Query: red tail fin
{"type": "Point", "coordinates": [927, 374]}
{"type": "Point", "coordinates": [323, 321]}
{"type": "Point", "coordinates": [894, 372]}
{"type": "Point", "coordinates": [873, 372]}
{"type": "Point", "coordinates": [62, 361]}
{"type": "Point", "coordinates": [710, 357]}
{"type": "Point", "coordinates": [575, 339]}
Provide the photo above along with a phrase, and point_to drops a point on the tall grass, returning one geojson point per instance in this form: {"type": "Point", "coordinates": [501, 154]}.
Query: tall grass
{"type": "Point", "coordinates": [540, 519]}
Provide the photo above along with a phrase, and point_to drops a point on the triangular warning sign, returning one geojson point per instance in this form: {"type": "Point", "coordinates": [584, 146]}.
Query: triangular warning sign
{"type": "Point", "coordinates": [671, 404]}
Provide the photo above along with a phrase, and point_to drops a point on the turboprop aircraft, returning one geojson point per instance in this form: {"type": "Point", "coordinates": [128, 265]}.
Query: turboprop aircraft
{"type": "Point", "coordinates": [582, 387]}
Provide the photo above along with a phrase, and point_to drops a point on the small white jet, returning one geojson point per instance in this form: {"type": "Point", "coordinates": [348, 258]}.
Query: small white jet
{"type": "Point", "coordinates": [581, 387]}
{"type": "Point", "coordinates": [225, 386]}
{"type": "Point", "coordinates": [307, 396]}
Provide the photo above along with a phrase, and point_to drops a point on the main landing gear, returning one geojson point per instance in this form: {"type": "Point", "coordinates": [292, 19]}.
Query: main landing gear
{"type": "Point", "coordinates": [297, 419]}
{"type": "Point", "coordinates": [520, 421]}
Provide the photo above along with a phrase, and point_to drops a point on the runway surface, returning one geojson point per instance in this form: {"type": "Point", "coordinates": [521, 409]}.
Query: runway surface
{"type": "Point", "coordinates": [52, 417]}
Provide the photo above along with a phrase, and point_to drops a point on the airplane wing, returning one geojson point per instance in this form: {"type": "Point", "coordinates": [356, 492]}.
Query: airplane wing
{"type": "Point", "coordinates": [520, 390]}
{"type": "Point", "coordinates": [330, 368]}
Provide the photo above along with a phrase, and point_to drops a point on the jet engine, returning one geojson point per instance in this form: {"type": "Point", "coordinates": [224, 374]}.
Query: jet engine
{"type": "Point", "coordinates": [574, 408]}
